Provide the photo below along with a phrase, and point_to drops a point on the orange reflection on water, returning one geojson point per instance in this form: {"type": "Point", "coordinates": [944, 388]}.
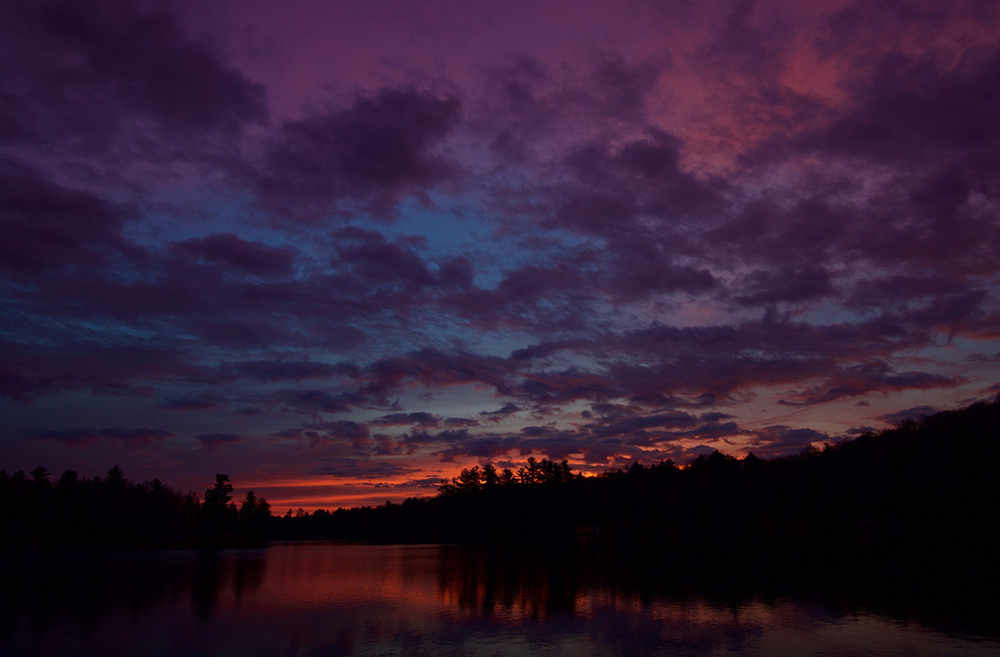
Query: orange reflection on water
{"type": "Point", "coordinates": [319, 598]}
{"type": "Point", "coordinates": [358, 575]}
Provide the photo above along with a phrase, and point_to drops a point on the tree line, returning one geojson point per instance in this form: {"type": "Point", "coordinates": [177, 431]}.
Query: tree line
{"type": "Point", "coordinates": [919, 499]}
{"type": "Point", "coordinates": [113, 512]}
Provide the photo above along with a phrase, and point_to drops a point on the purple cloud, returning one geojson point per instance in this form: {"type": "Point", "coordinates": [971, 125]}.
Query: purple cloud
{"type": "Point", "coordinates": [912, 413]}
{"type": "Point", "coordinates": [50, 227]}
{"type": "Point", "coordinates": [359, 468]}
{"type": "Point", "coordinates": [379, 149]}
{"type": "Point", "coordinates": [143, 436]}
{"type": "Point", "coordinates": [211, 442]}
{"type": "Point", "coordinates": [202, 402]}
{"type": "Point", "coordinates": [420, 418]}
{"type": "Point", "coordinates": [229, 249]}
{"type": "Point", "coordinates": [93, 76]}
{"type": "Point", "coordinates": [786, 285]}
{"type": "Point", "coordinates": [286, 370]}
{"type": "Point", "coordinates": [862, 379]}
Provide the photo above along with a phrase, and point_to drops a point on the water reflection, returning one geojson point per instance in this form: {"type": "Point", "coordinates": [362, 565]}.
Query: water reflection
{"type": "Point", "coordinates": [367, 600]}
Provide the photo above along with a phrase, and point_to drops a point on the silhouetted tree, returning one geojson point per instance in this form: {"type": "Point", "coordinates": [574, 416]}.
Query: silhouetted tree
{"type": "Point", "coordinates": [254, 518]}
{"type": "Point", "coordinates": [40, 476]}
{"type": "Point", "coordinates": [218, 514]}
{"type": "Point", "coordinates": [219, 496]}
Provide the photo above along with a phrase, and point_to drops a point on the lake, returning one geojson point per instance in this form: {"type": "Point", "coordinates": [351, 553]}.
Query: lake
{"type": "Point", "coordinates": [334, 599]}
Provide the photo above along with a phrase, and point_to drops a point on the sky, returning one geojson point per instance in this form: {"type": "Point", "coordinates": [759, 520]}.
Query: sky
{"type": "Point", "coordinates": [342, 250]}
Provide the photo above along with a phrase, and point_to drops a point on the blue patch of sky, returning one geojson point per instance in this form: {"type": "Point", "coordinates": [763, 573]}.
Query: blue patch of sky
{"type": "Point", "coordinates": [964, 356]}
{"type": "Point", "coordinates": [462, 226]}
{"type": "Point", "coordinates": [24, 327]}
{"type": "Point", "coordinates": [452, 226]}
{"type": "Point", "coordinates": [71, 409]}
{"type": "Point", "coordinates": [196, 215]}
{"type": "Point", "coordinates": [464, 400]}
{"type": "Point", "coordinates": [825, 312]}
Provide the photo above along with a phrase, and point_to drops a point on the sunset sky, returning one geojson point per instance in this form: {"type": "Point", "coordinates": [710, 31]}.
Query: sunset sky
{"type": "Point", "coordinates": [340, 250]}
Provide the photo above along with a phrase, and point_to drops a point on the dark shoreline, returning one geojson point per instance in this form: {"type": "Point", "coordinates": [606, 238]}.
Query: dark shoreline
{"type": "Point", "coordinates": [914, 509]}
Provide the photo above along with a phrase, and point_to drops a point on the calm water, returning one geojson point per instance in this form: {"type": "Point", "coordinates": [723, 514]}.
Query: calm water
{"type": "Point", "coordinates": [315, 599]}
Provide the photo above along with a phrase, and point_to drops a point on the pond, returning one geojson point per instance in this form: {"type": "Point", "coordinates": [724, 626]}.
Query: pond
{"type": "Point", "coordinates": [335, 599]}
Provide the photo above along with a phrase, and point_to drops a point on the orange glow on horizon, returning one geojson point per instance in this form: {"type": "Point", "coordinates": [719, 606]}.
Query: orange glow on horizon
{"type": "Point", "coordinates": [330, 493]}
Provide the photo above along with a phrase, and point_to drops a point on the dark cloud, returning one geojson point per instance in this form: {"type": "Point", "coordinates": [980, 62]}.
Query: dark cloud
{"type": "Point", "coordinates": [914, 109]}
{"type": "Point", "coordinates": [435, 368]}
{"type": "Point", "coordinates": [902, 288]}
{"type": "Point", "coordinates": [295, 434]}
{"type": "Point", "coordinates": [782, 439]}
{"type": "Point", "coordinates": [713, 430]}
{"type": "Point", "coordinates": [378, 150]}
{"type": "Point", "coordinates": [927, 125]}
{"type": "Point", "coordinates": [344, 429]}
{"type": "Point", "coordinates": [359, 468]}
{"type": "Point", "coordinates": [29, 370]}
{"type": "Point", "coordinates": [369, 256]}
{"type": "Point", "coordinates": [526, 104]}
{"type": "Point", "coordinates": [211, 442]}
{"type": "Point", "coordinates": [488, 447]}
{"type": "Point", "coordinates": [517, 107]}
{"type": "Point", "coordinates": [25, 388]}
{"type": "Point", "coordinates": [459, 422]}
{"type": "Point", "coordinates": [50, 227]}
{"type": "Point", "coordinates": [532, 297]}
{"type": "Point", "coordinates": [871, 26]}
{"type": "Point", "coordinates": [83, 436]}
{"type": "Point", "coordinates": [747, 44]}
{"type": "Point", "coordinates": [317, 401]}
{"type": "Point", "coordinates": [800, 234]}
{"type": "Point", "coordinates": [325, 433]}
{"type": "Point", "coordinates": [202, 402]}
{"type": "Point", "coordinates": [624, 87]}
{"type": "Point", "coordinates": [615, 187]}
{"type": "Point", "coordinates": [89, 73]}
{"type": "Point", "coordinates": [637, 424]}
{"type": "Point", "coordinates": [767, 287]}
{"type": "Point", "coordinates": [643, 268]}
{"type": "Point", "coordinates": [503, 411]}
{"type": "Point", "coordinates": [912, 413]}
{"type": "Point", "coordinates": [870, 377]}
{"type": "Point", "coordinates": [419, 418]}
{"type": "Point", "coordinates": [715, 416]}
{"type": "Point", "coordinates": [422, 482]}
{"type": "Point", "coordinates": [249, 257]}
{"type": "Point", "coordinates": [286, 370]}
